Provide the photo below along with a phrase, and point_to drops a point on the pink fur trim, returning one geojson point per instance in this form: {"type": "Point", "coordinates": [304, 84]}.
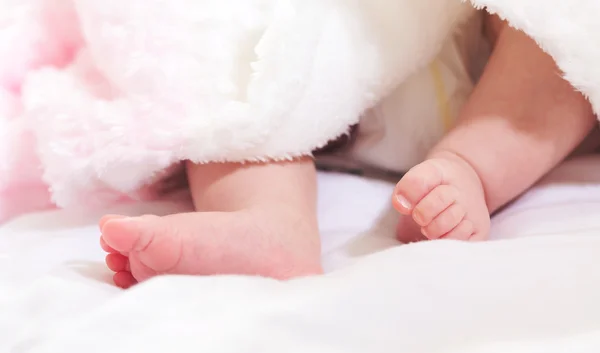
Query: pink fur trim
{"type": "Point", "coordinates": [99, 97]}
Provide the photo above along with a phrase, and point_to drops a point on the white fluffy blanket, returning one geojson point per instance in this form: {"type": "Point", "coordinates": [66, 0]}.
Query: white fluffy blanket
{"type": "Point", "coordinates": [99, 97]}
{"type": "Point", "coordinates": [111, 93]}
{"type": "Point", "coordinates": [535, 293]}
{"type": "Point", "coordinates": [478, 302]}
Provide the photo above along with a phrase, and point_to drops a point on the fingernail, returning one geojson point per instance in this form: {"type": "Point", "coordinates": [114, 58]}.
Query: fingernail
{"type": "Point", "coordinates": [403, 202]}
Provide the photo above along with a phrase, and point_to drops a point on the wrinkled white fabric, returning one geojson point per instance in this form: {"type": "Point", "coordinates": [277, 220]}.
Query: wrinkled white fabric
{"type": "Point", "coordinates": [535, 291]}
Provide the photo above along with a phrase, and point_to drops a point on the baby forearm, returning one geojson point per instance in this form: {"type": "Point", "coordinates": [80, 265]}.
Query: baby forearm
{"type": "Point", "coordinates": [521, 120]}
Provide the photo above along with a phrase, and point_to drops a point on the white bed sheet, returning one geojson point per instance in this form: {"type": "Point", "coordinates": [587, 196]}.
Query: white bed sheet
{"type": "Point", "coordinates": [535, 288]}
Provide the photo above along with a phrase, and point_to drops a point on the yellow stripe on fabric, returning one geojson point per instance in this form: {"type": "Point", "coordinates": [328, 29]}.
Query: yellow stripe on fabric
{"type": "Point", "coordinates": [441, 97]}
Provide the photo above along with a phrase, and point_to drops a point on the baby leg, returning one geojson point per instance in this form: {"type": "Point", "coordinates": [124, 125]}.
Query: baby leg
{"type": "Point", "coordinates": [522, 119]}
{"type": "Point", "coordinates": [253, 219]}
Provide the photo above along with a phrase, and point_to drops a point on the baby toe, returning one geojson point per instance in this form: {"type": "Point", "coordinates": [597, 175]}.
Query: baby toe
{"type": "Point", "coordinates": [444, 222]}
{"type": "Point", "coordinates": [107, 218]}
{"type": "Point", "coordinates": [129, 234]}
{"type": "Point", "coordinates": [107, 248]}
{"type": "Point", "coordinates": [117, 262]}
{"type": "Point", "coordinates": [124, 279]}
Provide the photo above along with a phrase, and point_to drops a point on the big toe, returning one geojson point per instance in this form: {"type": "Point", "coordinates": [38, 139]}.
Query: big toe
{"type": "Point", "coordinates": [126, 234]}
{"type": "Point", "coordinates": [152, 240]}
{"type": "Point", "coordinates": [106, 218]}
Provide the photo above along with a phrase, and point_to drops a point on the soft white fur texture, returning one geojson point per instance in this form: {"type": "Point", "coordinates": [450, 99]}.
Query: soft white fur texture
{"type": "Point", "coordinates": [567, 30]}
{"type": "Point", "coordinates": [108, 94]}
{"type": "Point", "coordinates": [161, 81]}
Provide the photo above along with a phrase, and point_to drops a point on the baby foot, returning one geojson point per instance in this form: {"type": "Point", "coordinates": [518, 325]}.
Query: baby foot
{"type": "Point", "coordinates": [445, 199]}
{"type": "Point", "coordinates": [272, 244]}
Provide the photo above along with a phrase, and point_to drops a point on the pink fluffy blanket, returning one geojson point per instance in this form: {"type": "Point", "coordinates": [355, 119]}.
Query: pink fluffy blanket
{"type": "Point", "coordinates": [99, 97]}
